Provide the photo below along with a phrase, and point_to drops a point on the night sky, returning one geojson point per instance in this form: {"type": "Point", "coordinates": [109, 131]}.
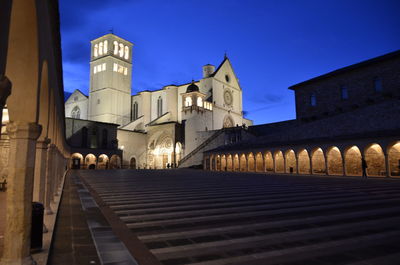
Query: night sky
{"type": "Point", "coordinates": [271, 44]}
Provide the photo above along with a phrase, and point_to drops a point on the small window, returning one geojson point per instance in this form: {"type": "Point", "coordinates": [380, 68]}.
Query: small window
{"type": "Point", "coordinates": [105, 47]}
{"type": "Point", "coordinates": [115, 68]}
{"type": "Point", "coordinates": [377, 84]}
{"type": "Point", "coordinates": [125, 71]}
{"type": "Point", "coordinates": [75, 98]}
{"type": "Point", "coordinates": [344, 93]}
{"type": "Point", "coordinates": [188, 101]}
{"type": "Point", "coordinates": [227, 78]}
{"type": "Point", "coordinates": [104, 66]}
{"type": "Point", "coordinates": [126, 52]}
{"type": "Point", "coordinates": [313, 100]}
{"type": "Point", "coordinates": [96, 48]}
{"type": "Point", "coordinates": [199, 102]}
{"type": "Point", "coordinates": [115, 47]}
{"type": "Point", "coordinates": [98, 101]}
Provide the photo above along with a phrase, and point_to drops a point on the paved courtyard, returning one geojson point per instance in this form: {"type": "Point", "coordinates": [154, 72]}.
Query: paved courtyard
{"type": "Point", "coordinates": [213, 218]}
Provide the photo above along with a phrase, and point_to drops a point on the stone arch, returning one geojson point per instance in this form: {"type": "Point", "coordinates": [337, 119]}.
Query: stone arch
{"type": "Point", "coordinates": [393, 152]}
{"type": "Point", "coordinates": [268, 161]}
{"type": "Point", "coordinates": [103, 161]}
{"type": "Point", "coordinates": [229, 163]}
{"type": "Point", "coordinates": [304, 161]}
{"type": "Point", "coordinates": [76, 161]}
{"type": "Point", "coordinates": [223, 163]}
{"type": "Point", "coordinates": [115, 162]}
{"type": "Point", "coordinates": [218, 162]}
{"type": "Point", "coordinates": [243, 163]}
{"type": "Point", "coordinates": [334, 161]}
{"type": "Point", "coordinates": [290, 159]}
{"type": "Point", "coordinates": [318, 161]}
{"type": "Point", "coordinates": [236, 163]}
{"type": "Point", "coordinates": [375, 159]}
{"type": "Point", "coordinates": [279, 162]}
{"type": "Point", "coordinates": [250, 162]}
{"type": "Point", "coordinates": [259, 162]}
{"type": "Point", "coordinates": [178, 152]}
{"type": "Point", "coordinates": [132, 163]}
{"type": "Point", "coordinates": [352, 159]}
{"type": "Point", "coordinates": [90, 161]}
{"type": "Point", "coordinates": [228, 121]}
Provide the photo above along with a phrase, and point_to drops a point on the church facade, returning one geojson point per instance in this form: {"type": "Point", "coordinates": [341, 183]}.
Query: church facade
{"type": "Point", "coordinates": [155, 128]}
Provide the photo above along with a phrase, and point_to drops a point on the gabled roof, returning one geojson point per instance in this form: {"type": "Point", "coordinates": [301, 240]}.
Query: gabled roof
{"type": "Point", "coordinates": [226, 59]}
{"type": "Point", "coordinates": [77, 91]}
{"type": "Point", "coordinates": [348, 68]}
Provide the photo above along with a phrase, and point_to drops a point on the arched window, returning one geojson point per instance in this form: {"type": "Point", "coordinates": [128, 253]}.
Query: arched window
{"type": "Point", "coordinates": [84, 137]}
{"type": "Point", "coordinates": [135, 111]}
{"type": "Point", "coordinates": [76, 113]}
{"type": "Point", "coordinates": [126, 52]}
{"type": "Point", "coordinates": [188, 101]}
{"type": "Point", "coordinates": [199, 102]}
{"type": "Point", "coordinates": [313, 100]}
{"type": "Point", "coordinates": [104, 138]}
{"type": "Point", "coordinates": [377, 84]}
{"type": "Point", "coordinates": [115, 47]}
{"type": "Point", "coordinates": [121, 50]}
{"type": "Point", "coordinates": [96, 47]}
{"type": "Point", "coordinates": [159, 107]}
{"type": "Point", "coordinates": [105, 46]}
{"type": "Point", "coordinates": [101, 48]}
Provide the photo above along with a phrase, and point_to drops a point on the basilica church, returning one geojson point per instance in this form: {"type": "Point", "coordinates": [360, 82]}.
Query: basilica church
{"type": "Point", "coordinates": [151, 129]}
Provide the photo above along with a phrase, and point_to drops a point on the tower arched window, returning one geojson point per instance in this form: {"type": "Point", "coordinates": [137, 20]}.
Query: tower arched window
{"type": "Point", "coordinates": [115, 47]}
{"type": "Point", "coordinates": [105, 46]}
{"type": "Point", "coordinates": [135, 111]}
{"type": "Point", "coordinates": [126, 52]}
{"type": "Point", "coordinates": [159, 106]}
{"type": "Point", "coordinates": [96, 48]}
{"type": "Point", "coordinates": [121, 50]}
{"type": "Point", "coordinates": [76, 113]}
{"type": "Point", "coordinates": [313, 100]}
{"type": "Point", "coordinates": [101, 48]}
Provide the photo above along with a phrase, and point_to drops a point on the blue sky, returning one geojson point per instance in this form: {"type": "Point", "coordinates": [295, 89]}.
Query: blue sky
{"type": "Point", "coordinates": [272, 44]}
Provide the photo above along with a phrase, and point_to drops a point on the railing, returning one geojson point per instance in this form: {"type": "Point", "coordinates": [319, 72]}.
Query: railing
{"type": "Point", "coordinates": [206, 142]}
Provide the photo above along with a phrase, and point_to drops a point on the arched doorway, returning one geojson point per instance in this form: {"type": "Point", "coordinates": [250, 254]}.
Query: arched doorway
{"type": "Point", "coordinates": [250, 162]}
{"type": "Point", "coordinates": [229, 163]}
{"type": "Point", "coordinates": [335, 161]}
{"type": "Point", "coordinates": [103, 162]}
{"type": "Point", "coordinates": [243, 163]}
{"type": "Point", "coordinates": [269, 162]}
{"type": "Point", "coordinates": [394, 159]}
{"type": "Point", "coordinates": [279, 162]}
{"type": "Point", "coordinates": [375, 160]}
{"type": "Point", "coordinates": [178, 153]}
{"type": "Point", "coordinates": [318, 161]}
{"type": "Point", "coordinates": [290, 158]}
{"type": "Point", "coordinates": [259, 162]}
{"type": "Point", "coordinates": [115, 162]}
{"type": "Point", "coordinates": [76, 161]}
{"type": "Point", "coordinates": [228, 122]}
{"type": "Point", "coordinates": [352, 159]}
{"type": "Point", "coordinates": [223, 163]}
{"type": "Point", "coordinates": [236, 163]}
{"type": "Point", "coordinates": [90, 161]}
{"type": "Point", "coordinates": [304, 162]}
{"type": "Point", "coordinates": [132, 163]}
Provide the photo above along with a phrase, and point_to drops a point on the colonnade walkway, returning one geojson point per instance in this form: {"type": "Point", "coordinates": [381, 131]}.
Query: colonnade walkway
{"type": "Point", "coordinates": [212, 218]}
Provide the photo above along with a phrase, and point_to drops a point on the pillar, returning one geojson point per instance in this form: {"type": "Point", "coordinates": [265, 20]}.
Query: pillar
{"type": "Point", "coordinates": [311, 164]}
{"type": "Point", "coordinates": [344, 165]}
{"type": "Point", "coordinates": [274, 162]}
{"type": "Point", "coordinates": [387, 165]}
{"type": "Point", "coordinates": [17, 234]}
{"type": "Point", "coordinates": [284, 163]}
{"type": "Point", "coordinates": [49, 178]}
{"type": "Point", "coordinates": [297, 165]}
{"type": "Point", "coordinates": [326, 164]}
{"type": "Point", "coordinates": [39, 187]}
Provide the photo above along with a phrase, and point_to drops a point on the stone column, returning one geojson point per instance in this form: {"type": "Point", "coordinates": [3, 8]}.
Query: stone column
{"type": "Point", "coordinates": [326, 165]}
{"type": "Point", "coordinates": [49, 178]}
{"type": "Point", "coordinates": [344, 166]}
{"type": "Point", "coordinates": [39, 187]}
{"type": "Point", "coordinates": [387, 165]}
{"type": "Point", "coordinates": [311, 165]}
{"type": "Point", "coordinates": [274, 163]}
{"type": "Point", "coordinates": [284, 164]}
{"type": "Point", "coordinates": [297, 165]}
{"type": "Point", "coordinates": [5, 91]}
{"type": "Point", "coordinates": [17, 234]}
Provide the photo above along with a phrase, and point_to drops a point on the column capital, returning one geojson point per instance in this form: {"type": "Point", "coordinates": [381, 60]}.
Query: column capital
{"type": "Point", "coordinates": [43, 144]}
{"type": "Point", "coordinates": [23, 130]}
{"type": "Point", "coordinates": [5, 89]}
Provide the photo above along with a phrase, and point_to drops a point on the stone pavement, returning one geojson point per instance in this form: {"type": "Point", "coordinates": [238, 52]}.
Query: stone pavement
{"type": "Point", "coordinates": [199, 217]}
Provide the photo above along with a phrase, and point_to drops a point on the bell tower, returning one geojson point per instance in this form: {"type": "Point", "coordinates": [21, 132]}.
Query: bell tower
{"type": "Point", "coordinates": [110, 80]}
